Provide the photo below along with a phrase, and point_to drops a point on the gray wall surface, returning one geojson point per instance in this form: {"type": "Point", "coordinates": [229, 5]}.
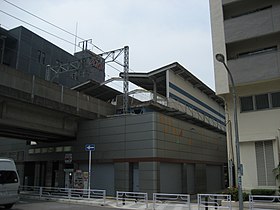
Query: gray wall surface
{"type": "Point", "coordinates": [171, 156]}
{"type": "Point", "coordinates": [252, 40]}
{"type": "Point", "coordinates": [34, 53]}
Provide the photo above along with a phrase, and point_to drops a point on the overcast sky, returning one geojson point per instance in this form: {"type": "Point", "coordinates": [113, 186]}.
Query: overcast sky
{"type": "Point", "coordinates": [158, 32]}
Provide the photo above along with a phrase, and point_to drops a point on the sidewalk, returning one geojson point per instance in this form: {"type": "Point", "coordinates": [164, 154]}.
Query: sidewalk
{"type": "Point", "coordinates": [111, 202]}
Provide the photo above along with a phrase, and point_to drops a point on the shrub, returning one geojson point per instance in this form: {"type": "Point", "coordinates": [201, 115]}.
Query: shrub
{"type": "Point", "coordinates": [262, 192]}
{"type": "Point", "coordinates": [233, 191]}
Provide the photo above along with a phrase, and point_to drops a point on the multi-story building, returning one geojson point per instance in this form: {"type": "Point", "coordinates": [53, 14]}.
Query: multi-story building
{"type": "Point", "coordinates": [174, 142]}
{"type": "Point", "coordinates": [247, 33]}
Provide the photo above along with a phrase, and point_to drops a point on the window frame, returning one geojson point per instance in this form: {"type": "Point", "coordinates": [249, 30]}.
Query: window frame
{"type": "Point", "coordinates": [270, 104]}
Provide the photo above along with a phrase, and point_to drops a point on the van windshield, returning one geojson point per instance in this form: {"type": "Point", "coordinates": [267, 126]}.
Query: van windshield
{"type": "Point", "coordinates": [7, 177]}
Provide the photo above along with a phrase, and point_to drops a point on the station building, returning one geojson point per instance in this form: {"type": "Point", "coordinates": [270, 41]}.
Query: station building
{"type": "Point", "coordinates": [174, 142]}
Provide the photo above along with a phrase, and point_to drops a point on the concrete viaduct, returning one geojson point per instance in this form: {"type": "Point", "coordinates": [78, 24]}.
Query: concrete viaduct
{"type": "Point", "coordinates": [34, 109]}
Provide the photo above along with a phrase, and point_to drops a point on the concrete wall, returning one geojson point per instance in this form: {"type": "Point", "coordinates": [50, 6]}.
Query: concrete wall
{"type": "Point", "coordinates": [266, 65]}
{"type": "Point", "coordinates": [253, 74]}
{"type": "Point", "coordinates": [38, 87]}
{"type": "Point", "coordinates": [218, 43]}
{"type": "Point", "coordinates": [153, 142]}
{"type": "Point", "coordinates": [181, 140]}
{"type": "Point", "coordinates": [255, 126]}
{"type": "Point", "coordinates": [259, 23]}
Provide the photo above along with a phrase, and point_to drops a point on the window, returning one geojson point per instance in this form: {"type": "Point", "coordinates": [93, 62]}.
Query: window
{"type": "Point", "coordinates": [7, 177]}
{"type": "Point", "coordinates": [262, 101]}
{"type": "Point", "coordinates": [247, 103]}
{"type": "Point", "coordinates": [275, 99]}
{"type": "Point", "coordinates": [265, 163]}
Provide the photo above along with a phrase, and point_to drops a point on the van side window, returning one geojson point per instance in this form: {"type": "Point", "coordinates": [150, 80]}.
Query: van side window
{"type": "Point", "coordinates": [7, 177]}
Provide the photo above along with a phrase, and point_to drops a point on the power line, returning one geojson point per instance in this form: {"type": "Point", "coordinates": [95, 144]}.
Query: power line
{"type": "Point", "coordinates": [49, 34]}
{"type": "Point", "coordinates": [58, 27]}
{"type": "Point", "coordinates": [37, 27]}
{"type": "Point", "coordinates": [62, 29]}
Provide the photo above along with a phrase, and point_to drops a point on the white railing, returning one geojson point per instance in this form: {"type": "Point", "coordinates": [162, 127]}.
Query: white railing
{"type": "Point", "coordinates": [68, 193]}
{"type": "Point", "coordinates": [264, 202]}
{"type": "Point", "coordinates": [178, 200]}
{"type": "Point", "coordinates": [213, 201]}
{"type": "Point", "coordinates": [124, 198]}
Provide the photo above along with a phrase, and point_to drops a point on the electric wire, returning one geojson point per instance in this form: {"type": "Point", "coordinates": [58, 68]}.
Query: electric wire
{"type": "Point", "coordinates": [37, 28]}
{"type": "Point", "coordinates": [49, 34]}
{"type": "Point", "coordinates": [58, 27]}
{"type": "Point", "coordinates": [62, 29]}
{"type": "Point", "coordinates": [116, 61]}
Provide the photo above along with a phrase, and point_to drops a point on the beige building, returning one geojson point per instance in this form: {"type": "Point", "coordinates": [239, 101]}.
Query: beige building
{"type": "Point", "coordinates": [248, 34]}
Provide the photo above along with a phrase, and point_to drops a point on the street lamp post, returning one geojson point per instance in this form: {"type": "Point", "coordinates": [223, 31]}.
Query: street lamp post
{"type": "Point", "coordinates": [221, 58]}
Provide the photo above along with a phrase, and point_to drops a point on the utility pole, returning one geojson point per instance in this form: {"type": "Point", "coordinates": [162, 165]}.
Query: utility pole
{"type": "Point", "coordinates": [125, 81]}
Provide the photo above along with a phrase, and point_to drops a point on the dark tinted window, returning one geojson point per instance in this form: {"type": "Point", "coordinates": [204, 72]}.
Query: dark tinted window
{"type": "Point", "coordinates": [262, 101]}
{"type": "Point", "coordinates": [7, 177]}
{"type": "Point", "coordinates": [247, 103]}
{"type": "Point", "coordinates": [275, 98]}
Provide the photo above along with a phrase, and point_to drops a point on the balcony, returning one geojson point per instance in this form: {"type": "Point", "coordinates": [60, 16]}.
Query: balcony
{"type": "Point", "coordinates": [252, 25]}
{"type": "Point", "coordinates": [228, 1]}
{"type": "Point", "coordinates": [255, 67]}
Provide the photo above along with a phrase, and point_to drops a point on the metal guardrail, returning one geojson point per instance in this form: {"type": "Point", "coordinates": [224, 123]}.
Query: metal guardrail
{"type": "Point", "coordinates": [182, 200]}
{"type": "Point", "coordinates": [66, 193]}
{"type": "Point", "coordinates": [128, 197]}
{"type": "Point", "coordinates": [264, 202]}
{"type": "Point", "coordinates": [213, 201]}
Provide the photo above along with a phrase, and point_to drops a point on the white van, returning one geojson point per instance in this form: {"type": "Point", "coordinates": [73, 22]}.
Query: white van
{"type": "Point", "coordinates": [9, 183]}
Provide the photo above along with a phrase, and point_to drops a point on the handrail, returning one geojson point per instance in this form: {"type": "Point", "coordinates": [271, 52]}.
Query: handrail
{"type": "Point", "coordinates": [177, 199]}
{"type": "Point", "coordinates": [136, 197]}
{"type": "Point", "coordinates": [214, 201]}
{"type": "Point", "coordinates": [262, 200]}
{"type": "Point", "coordinates": [69, 193]}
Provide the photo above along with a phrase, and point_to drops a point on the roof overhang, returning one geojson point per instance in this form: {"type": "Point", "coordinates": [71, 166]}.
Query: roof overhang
{"type": "Point", "coordinates": [158, 77]}
{"type": "Point", "coordinates": [97, 90]}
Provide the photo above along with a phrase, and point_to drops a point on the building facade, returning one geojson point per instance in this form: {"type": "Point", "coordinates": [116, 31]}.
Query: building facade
{"type": "Point", "coordinates": [174, 142]}
{"type": "Point", "coordinates": [28, 52]}
{"type": "Point", "coordinates": [247, 33]}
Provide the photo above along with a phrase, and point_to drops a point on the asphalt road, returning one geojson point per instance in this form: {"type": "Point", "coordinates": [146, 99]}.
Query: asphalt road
{"type": "Point", "coordinates": [26, 204]}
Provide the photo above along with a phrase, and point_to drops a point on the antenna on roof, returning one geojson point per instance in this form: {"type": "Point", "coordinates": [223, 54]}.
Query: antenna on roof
{"type": "Point", "coordinates": [76, 37]}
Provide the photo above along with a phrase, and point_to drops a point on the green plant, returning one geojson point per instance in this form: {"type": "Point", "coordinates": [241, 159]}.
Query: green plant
{"type": "Point", "coordinates": [276, 172]}
{"type": "Point", "coordinates": [262, 192]}
{"type": "Point", "coordinates": [233, 191]}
